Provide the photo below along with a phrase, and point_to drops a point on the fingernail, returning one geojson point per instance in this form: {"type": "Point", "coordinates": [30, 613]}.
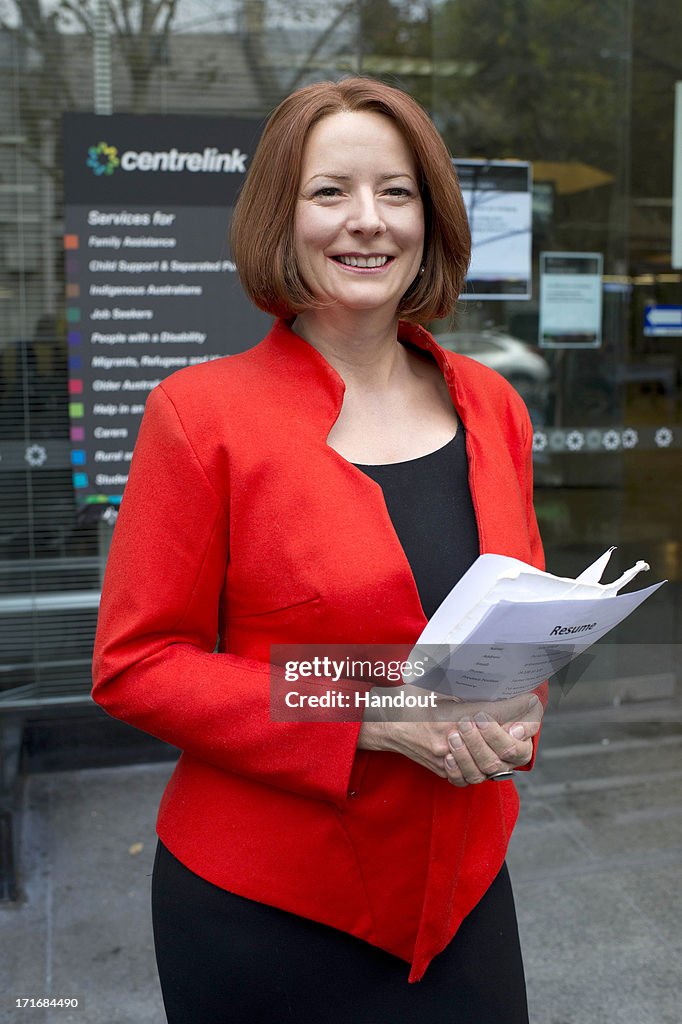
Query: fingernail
{"type": "Point", "coordinates": [481, 718]}
{"type": "Point", "coordinates": [517, 731]}
{"type": "Point", "coordinates": [450, 762]}
{"type": "Point", "coordinates": [455, 741]}
{"type": "Point", "coordinates": [465, 725]}
{"type": "Point", "coordinates": [533, 702]}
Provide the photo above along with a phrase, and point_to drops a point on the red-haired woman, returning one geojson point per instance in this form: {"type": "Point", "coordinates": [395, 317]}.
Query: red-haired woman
{"type": "Point", "coordinates": [328, 486]}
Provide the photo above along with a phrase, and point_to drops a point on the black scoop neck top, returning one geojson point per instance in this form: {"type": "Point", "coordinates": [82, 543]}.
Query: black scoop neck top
{"type": "Point", "coordinates": [429, 502]}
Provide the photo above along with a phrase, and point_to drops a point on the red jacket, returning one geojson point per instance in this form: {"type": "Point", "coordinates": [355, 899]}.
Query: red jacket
{"type": "Point", "coordinates": [240, 522]}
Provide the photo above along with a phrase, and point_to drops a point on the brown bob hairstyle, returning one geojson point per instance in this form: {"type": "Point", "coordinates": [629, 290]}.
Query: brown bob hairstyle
{"type": "Point", "coordinates": [262, 233]}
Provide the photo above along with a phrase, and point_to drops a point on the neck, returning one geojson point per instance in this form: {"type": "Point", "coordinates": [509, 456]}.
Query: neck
{"type": "Point", "coordinates": [361, 347]}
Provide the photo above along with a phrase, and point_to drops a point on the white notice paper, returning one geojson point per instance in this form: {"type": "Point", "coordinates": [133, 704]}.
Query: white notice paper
{"type": "Point", "coordinates": [506, 626]}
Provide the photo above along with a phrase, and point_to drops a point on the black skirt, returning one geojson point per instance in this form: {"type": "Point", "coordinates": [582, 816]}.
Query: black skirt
{"type": "Point", "coordinates": [223, 959]}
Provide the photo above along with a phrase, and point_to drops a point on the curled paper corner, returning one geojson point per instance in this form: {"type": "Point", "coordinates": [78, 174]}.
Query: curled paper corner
{"type": "Point", "coordinates": [594, 572]}
{"type": "Point", "coordinates": [627, 576]}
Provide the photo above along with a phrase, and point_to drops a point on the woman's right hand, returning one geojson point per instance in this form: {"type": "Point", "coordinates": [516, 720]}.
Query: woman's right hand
{"type": "Point", "coordinates": [500, 741]}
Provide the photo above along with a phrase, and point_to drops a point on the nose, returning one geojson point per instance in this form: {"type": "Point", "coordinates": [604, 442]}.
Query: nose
{"type": "Point", "coordinates": [365, 216]}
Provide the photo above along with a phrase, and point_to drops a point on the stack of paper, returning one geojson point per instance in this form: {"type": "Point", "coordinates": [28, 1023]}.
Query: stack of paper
{"type": "Point", "coordinates": [506, 626]}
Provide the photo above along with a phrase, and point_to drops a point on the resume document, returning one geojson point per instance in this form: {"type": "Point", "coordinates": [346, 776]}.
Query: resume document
{"type": "Point", "coordinates": [506, 626]}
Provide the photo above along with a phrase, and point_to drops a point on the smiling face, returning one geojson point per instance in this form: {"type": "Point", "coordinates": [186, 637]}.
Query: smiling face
{"type": "Point", "coordinates": [359, 223]}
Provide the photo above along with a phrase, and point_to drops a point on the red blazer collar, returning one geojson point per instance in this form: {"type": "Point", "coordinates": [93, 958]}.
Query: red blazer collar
{"type": "Point", "coordinates": [287, 348]}
{"type": "Point", "coordinates": [493, 416]}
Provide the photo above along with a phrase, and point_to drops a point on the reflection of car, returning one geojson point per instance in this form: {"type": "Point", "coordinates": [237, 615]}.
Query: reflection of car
{"type": "Point", "coordinates": [514, 359]}
{"type": "Point", "coordinates": [524, 368]}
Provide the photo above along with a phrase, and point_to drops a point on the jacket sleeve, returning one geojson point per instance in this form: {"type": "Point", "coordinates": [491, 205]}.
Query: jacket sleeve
{"type": "Point", "coordinates": [154, 662]}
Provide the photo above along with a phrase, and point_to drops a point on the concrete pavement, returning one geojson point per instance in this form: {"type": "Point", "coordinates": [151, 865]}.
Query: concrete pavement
{"type": "Point", "coordinates": [596, 861]}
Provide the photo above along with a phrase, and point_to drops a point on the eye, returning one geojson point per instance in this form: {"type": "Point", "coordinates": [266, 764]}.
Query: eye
{"type": "Point", "coordinates": [327, 192]}
{"type": "Point", "coordinates": [398, 192]}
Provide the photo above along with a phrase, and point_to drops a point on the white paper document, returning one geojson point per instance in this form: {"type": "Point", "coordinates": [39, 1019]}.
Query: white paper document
{"type": "Point", "coordinates": [506, 626]}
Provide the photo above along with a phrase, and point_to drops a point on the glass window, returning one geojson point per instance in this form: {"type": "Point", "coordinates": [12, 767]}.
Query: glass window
{"type": "Point", "coordinates": [584, 96]}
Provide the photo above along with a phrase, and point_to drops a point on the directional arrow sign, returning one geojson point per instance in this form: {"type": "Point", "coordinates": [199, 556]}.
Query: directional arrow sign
{"type": "Point", "coordinates": [662, 321]}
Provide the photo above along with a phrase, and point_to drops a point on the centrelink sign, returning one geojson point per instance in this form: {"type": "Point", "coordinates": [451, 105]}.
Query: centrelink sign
{"type": "Point", "coordinates": [153, 158]}
{"type": "Point", "coordinates": [104, 159]}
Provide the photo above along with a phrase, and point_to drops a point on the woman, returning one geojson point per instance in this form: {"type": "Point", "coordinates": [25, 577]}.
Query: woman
{"type": "Point", "coordinates": [317, 489]}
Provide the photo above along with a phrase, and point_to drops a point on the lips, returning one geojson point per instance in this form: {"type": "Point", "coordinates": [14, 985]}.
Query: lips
{"type": "Point", "coordinates": [369, 262]}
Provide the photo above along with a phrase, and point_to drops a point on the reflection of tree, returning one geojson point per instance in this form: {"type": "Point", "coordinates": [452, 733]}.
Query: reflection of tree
{"type": "Point", "coordinates": [657, 65]}
{"type": "Point", "coordinates": [140, 29]}
{"type": "Point", "coordinates": [44, 89]}
{"type": "Point", "coordinates": [546, 78]}
{"type": "Point", "coordinates": [342, 14]}
{"type": "Point", "coordinates": [377, 37]}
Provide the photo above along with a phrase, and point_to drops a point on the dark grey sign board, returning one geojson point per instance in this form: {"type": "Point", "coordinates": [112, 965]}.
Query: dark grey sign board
{"type": "Point", "coordinates": [150, 284]}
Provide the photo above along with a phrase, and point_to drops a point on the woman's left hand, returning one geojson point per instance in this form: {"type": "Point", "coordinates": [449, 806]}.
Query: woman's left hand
{"type": "Point", "coordinates": [481, 747]}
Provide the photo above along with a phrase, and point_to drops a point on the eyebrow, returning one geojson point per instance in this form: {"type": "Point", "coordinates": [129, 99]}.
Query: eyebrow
{"type": "Point", "coordinates": [347, 177]}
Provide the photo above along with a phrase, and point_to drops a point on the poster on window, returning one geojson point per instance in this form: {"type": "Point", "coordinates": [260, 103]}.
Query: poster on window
{"type": "Point", "coordinates": [499, 203]}
{"type": "Point", "coordinates": [570, 299]}
{"type": "Point", "coordinates": [150, 285]}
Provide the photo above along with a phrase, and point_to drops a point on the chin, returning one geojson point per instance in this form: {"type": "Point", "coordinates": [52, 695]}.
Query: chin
{"type": "Point", "coordinates": [368, 302]}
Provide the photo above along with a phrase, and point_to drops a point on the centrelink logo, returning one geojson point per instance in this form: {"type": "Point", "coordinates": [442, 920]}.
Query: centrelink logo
{"type": "Point", "coordinates": [103, 159]}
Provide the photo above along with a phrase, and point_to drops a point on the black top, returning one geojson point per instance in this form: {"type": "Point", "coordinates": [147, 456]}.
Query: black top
{"type": "Point", "coordinates": [429, 502]}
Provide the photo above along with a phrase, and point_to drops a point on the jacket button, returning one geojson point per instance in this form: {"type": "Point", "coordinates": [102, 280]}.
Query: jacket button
{"type": "Point", "coordinates": [353, 792]}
